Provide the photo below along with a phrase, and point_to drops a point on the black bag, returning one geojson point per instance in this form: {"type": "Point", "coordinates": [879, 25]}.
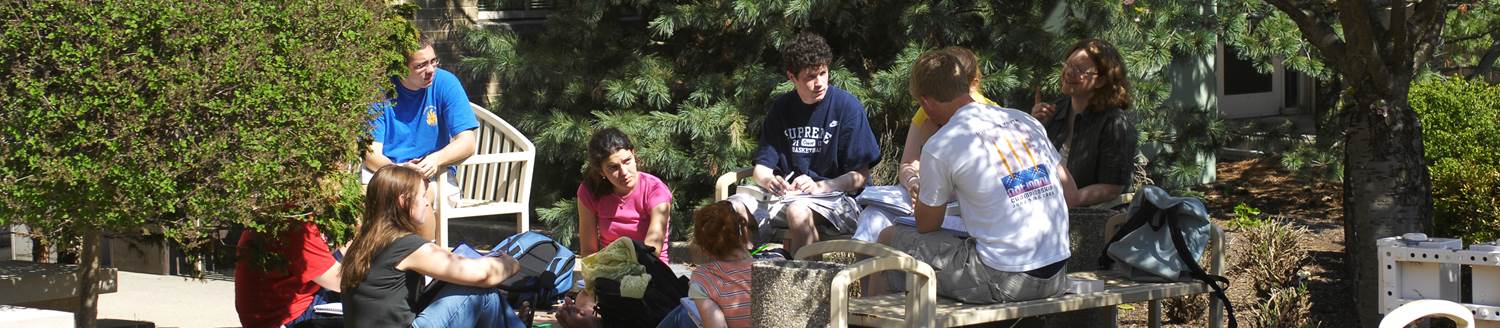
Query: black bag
{"type": "Point", "coordinates": [1183, 221]}
{"type": "Point", "coordinates": [663, 294]}
{"type": "Point", "coordinates": [546, 272]}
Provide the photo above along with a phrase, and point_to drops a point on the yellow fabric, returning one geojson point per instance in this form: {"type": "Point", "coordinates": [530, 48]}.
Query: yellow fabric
{"type": "Point", "coordinates": [921, 116]}
{"type": "Point", "coordinates": [635, 286]}
{"type": "Point", "coordinates": [616, 261]}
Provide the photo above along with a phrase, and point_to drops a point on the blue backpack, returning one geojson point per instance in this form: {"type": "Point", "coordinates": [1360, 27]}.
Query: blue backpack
{"type": "Point", "coordinates": [546, 272]}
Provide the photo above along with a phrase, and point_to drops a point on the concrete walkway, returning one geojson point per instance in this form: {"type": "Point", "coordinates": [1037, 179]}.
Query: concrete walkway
{"type": "Point", "coordinates": [170, 301]}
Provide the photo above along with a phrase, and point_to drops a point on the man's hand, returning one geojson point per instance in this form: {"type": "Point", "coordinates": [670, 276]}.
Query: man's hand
{"type": "Point", "coordinates": [806, 185]}
{"type": "Point", "coordinates": [912, 187]}
{"type": "Point", "coordinates": [428, 169]}
{"type": "Point", "coordinates": [775, 184]}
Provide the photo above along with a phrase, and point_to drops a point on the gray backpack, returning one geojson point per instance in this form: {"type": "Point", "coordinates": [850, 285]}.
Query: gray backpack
{"type": "Point", "coordinates": [1162, 242]}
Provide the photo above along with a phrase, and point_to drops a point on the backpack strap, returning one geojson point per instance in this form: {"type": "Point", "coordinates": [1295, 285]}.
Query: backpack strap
{"type": "Point", "coordinates": [1216, 282]}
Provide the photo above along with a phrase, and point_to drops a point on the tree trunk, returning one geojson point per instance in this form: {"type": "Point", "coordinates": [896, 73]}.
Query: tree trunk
{"type": "Point", "coordinates": [40, 251]}
{"type": "Point", "coordinates": [88, 282]}
{"type": "Point", "coordinates": [1387, 191]}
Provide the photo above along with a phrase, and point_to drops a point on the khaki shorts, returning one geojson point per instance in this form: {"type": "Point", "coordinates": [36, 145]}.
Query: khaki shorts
{"type": "Point", "coordinates": [833, 217]}
{"type": "Point", "coordinates": [961, 275]}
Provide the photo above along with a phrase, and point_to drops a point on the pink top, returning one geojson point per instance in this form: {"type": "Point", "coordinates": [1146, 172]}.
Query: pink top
{"type": "Point", "coordinates": [628, 215]}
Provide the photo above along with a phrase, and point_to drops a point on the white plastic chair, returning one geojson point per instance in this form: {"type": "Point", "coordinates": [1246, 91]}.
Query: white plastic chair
{"type": "Point", "coordinates": [1419, 309]}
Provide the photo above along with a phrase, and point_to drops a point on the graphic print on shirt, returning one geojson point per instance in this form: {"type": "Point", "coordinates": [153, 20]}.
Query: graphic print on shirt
{"type": "Point", "coordinates": [431, 115]}
{"type": "Point", "coordinates": [809, 139]}
{"type": "Point", "coordinates": [1026, 179]}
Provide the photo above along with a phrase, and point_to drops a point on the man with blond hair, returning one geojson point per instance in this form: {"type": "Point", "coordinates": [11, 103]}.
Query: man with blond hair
{"type": "Point", "coordinates": [998, 164]}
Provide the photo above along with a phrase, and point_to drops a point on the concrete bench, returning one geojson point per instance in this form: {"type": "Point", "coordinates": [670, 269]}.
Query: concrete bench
{"type": "Point", "coordinates": [895, 310]}
{"type": "Point", "coordinates": [47, 285]}
{"type": "Point", "coordinates": [889, 310]}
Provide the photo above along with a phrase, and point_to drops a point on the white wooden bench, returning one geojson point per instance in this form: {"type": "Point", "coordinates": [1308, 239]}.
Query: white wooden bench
{"type": "Point", "coordinates": [496, 180]}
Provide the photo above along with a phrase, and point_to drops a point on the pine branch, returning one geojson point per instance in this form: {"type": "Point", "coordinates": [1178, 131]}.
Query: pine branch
{"type": "Point", "coordinates": [1488, 61]}
{"type": "Point", "coordinates": [1319, 33]}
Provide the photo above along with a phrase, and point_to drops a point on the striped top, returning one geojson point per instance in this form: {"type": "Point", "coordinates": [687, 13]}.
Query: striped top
{"type": "Point", "coordinates": [727, 283]}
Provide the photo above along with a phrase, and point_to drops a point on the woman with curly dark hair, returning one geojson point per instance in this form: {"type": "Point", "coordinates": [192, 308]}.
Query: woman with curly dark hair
{"type": "Point", "coordinates": [1090, 128]}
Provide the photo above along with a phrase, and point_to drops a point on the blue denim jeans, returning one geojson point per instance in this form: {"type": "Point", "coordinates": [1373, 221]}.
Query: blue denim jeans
{"type": "Point", "coordinates": [678, 318]}
{"type": "Point", "coordinates": [464, 306]}
{"type": "Point", "coordinates": [319, 298]}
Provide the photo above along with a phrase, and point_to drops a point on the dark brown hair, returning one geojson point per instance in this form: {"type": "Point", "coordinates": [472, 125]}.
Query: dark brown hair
{"type": "Point", "coordinates": [1113, 89]}
{"type": "Point", "coordinates": [424, 39]}
{"type": "Point", "coordinates": [718, 231]}
{"type": "Point", "coordinates": [804, 51]}
{"type": "Point", "coordinates": [388, 201]}
{"type": "Point", "coordinates": [604, 143]}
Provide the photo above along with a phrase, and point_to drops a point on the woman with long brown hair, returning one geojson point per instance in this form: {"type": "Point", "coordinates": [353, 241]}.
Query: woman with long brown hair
{"type": "Point", "coordinates": [1090, 128]}
{"type": "Point", "coordinates": [384, 271]}
{"type": "Point", "coordinates": [617, 200]}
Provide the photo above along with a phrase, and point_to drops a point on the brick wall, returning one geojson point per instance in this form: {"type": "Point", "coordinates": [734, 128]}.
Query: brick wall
{"type": "Point", "coordinates": [442, 19]}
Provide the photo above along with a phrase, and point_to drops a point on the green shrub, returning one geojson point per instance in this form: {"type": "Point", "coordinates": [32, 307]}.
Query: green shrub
{"type": "Point", "coordinates": [188, 116]}
{"type": "Point", "coordinates": [1461, 135]}
{"type": "Point", "coordinates": [1245, 217]}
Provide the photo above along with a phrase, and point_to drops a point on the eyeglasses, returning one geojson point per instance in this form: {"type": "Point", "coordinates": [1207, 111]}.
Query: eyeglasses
{"type": "Point", "coordinates": [430, 62]}
{"type": "Point", "coordinates": [1078, 73]}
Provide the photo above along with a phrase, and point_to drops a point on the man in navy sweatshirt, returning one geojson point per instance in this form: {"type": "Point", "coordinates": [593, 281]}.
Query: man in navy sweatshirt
{"type": "Point", "coordinates": [815, 142]}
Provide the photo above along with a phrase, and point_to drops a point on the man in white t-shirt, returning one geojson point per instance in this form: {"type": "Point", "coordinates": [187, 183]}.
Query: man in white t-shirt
{"type": "Point", "coordinates": [1003, 171]}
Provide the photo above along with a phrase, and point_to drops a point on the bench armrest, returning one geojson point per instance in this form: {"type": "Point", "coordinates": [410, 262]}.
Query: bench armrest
{"type": "Point", "coordinates": [921, 280]}
{"type": "Point", "coordinates": [728, 179]}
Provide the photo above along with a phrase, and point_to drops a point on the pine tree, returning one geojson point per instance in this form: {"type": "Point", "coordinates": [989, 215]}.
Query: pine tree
{"type": "Point", "coordinates": [689, 81]}
{"type": "Point", "coordinates": [1471, 41]}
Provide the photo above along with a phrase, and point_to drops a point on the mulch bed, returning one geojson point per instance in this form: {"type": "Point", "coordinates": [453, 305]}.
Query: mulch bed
{"type": "Point", "coordinates": [1314, 205]}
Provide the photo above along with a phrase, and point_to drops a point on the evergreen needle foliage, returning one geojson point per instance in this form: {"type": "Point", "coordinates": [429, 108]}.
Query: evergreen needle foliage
{"type": "Point", "coordinates": [690, 81]}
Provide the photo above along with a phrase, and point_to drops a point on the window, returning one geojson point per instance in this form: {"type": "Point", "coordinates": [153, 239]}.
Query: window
{"type": "Point", "coordinates": [1240, 76]}
{"type": "Point", "coordinates": [513, 5]}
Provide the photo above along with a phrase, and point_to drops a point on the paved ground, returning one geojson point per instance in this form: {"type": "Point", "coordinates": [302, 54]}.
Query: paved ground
{"type": "Point", "coordinates": [170, 301]}
{"type": "Point", "coordinates": [144, 300]}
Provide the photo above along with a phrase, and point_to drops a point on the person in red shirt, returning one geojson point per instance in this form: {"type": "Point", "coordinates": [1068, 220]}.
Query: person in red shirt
{"type": "Point", "coordinates": [282, 290]}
